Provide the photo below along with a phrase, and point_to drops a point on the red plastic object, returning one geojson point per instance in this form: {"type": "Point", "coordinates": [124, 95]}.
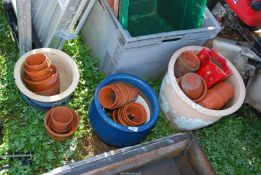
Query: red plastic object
{"type": "Point", "coordinates": [245, 12]}
{"type": "Point", "coordinates": [204, 56]}
{"type": "Point", "coordinates": [214, 68]}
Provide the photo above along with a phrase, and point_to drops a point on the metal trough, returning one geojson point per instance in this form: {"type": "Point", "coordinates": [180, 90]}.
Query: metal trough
{"type": "Point", "coordinates": [177, 154]}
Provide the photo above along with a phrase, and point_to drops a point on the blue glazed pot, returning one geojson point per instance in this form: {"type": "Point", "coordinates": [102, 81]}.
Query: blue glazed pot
{"type": "Point", "coordinates": [113, 133]}
{"type": "Point", "coordinates": [44, 105]}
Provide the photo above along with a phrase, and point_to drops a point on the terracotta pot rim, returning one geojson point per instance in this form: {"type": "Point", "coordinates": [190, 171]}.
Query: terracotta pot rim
{"type": "Point", "coordinates": [42, 87]}
{"type": "Point", "coordinates": [205, 90]}
{"type": "Point", "coordinates": [142, 110]}
{"type": "Point", "coordinates": [124, 99]}
{"type": "Point", "coordinates": [77, 122]}
{"type": "Point", "coordinates": [204, 84]}
{"type": "Point", "coordinates": [36, 74]}
{"type": "Point", "coordinates": [39, 66]}
{"type": "Point", "coordinates": [101, 99]}
{"type": "Point", "coordinates": [61, 108]}
{"type": "Point", "coordinates": [53, 78]}
{"type": "Point", "coordinates": [55, 87]}
{"type": "Point", "coordinates": [186, 66]}
{"type": "Point", "coordinates": [57, 131]}
{"type": "Point", "coordinates": [119, 118]}
{"type": "Point", "coordinates": [42, 78]}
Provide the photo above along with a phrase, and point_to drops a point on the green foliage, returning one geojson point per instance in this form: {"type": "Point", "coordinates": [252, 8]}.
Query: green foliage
{"type": "Point", "coordinates": [163, 127]}
{"type": "Point", "coordinates": [232, 144]}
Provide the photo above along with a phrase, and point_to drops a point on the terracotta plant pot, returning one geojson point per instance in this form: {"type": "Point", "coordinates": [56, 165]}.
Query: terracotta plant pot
{"type": "Point", "coordinates": [43, 85]}
{"type": "Point", "coordinates": [134, 114]}
{"type": "Point", "coordinates": [57, 136]}
{"type": "Point", "coordinates": [108, 97]}
{"type": "Point", "coordinates": [187, 62]}
{"type": "Point", "coordinates": [123, 94]}
{"type": "Point", "coordinates": [52, 91]}
{"type": "Point", "coordinates": [116, 116]}
{"type": "Point", "coordinates": [36, 62]}
{"type": "Point", "coordinates": [133, 93]}
{"type": "Point", "coordinates": [120, 118]}
{"type": "Point", "coordinates": [116, 95]}
{"type": "Point", "coordinates": [218, 96]}
{"type": "Point", "coordinates": [39, 75]}
{"type": "Point", "coordinates": [193, 86]}
{"type": "Point", "coordinates": [61, 118]}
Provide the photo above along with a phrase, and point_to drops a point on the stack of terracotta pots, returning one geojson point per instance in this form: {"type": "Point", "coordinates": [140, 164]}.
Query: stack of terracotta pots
{"type": "Point", "coordinates": [40, 76]}
{"type": "Point", "coordinates": [119, 99]}
{"type": "Point", "coordinates": [61, 122]}
{"type": "Point", "coordinates": [202, 78]}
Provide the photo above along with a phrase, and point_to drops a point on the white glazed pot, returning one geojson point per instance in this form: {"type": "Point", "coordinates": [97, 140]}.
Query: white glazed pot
{"type": "Point", "coordinates": [185, 114]}
{"type": "Point", "coordinates": [68, 75]}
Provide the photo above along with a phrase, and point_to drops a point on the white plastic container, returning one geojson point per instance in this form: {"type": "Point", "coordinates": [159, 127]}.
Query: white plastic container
{"type": "Point", "coordinates": [184, 113]}
{"type": "Point", "coordinates": [144, 56]}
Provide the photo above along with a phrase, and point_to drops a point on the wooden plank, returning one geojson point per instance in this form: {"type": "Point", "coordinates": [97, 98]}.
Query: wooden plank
{"type": "Point", "coordinates": [24, 25]}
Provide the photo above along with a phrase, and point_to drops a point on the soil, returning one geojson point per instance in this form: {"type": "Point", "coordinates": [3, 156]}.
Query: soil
{"type": "Point", "coordinates": [90, 145]}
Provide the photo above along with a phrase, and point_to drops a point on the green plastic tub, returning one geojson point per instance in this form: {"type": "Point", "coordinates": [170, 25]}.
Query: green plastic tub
{"type": "Point", "coordinates": [144, 17]}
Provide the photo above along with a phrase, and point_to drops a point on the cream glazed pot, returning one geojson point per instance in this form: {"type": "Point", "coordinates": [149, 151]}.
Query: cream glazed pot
{"type": "Point", "coordinates": [185, 114]}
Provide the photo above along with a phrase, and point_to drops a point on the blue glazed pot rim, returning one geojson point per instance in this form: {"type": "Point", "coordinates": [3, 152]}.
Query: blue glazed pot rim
{"type": "Point", "coordinates": [154, 103]}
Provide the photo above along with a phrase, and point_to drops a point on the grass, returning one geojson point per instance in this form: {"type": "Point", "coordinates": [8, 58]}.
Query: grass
{"type": "Point", "coordinates": [232, 144]}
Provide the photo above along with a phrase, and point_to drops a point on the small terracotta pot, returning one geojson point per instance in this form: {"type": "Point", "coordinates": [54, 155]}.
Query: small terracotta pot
{"type": "Point", "coordinates": [61, 118]}
{"type": "Point", "coordinates": [123, 91]}
{"type": "Point", "coordinates": [128, 93]}
{"type": "Point", "coordinates": [61, 137]}
{"type": "Point", "coordinates": [134, 114]}
{"type": "Point", "coordinates": [36, 62]}
{"type": "Point", "coordinates": [52, 91]}
{"type": "Point", "coordinates": [39, 75]}
{"type": "Point", "coordinates": [187, 62]}
{"type": "Point", "coordinates": [43, 85]}
{"type": "Point", "coordinates": [120, 118]}
{"type": "Point", "coordinates": [116, 95]}
{"type": "Point", "coordinates": [108, 97]}
{"type": "Point", "coordinates": [133, 93]}
{"type": "Point", "coordinates": [218, 96]}
{"type": "Point", "coordinates": [121, 98]}
{"type": "Point", "coordinates": [193, 86]}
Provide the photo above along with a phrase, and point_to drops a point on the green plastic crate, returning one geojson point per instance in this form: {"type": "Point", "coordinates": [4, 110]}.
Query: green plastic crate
{"type": "Point", "coordinates": [144, 17]}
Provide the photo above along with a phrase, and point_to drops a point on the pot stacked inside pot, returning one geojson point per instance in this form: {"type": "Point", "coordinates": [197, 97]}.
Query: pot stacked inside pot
{"type": "Point", "coordinates": [119, 98]}
{"type": "Point", "coordinates": [203, 78]}
{"type": "Point", "coordinates": [40, 76]}
{"type": "Point", "coordinates": [61, 122]}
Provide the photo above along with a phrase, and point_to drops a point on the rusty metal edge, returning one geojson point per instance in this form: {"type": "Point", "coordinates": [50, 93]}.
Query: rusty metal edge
{"type": "Point", "coordinates": [198, 160]}
{"type": "Point", "coordinates": [99, 163]}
